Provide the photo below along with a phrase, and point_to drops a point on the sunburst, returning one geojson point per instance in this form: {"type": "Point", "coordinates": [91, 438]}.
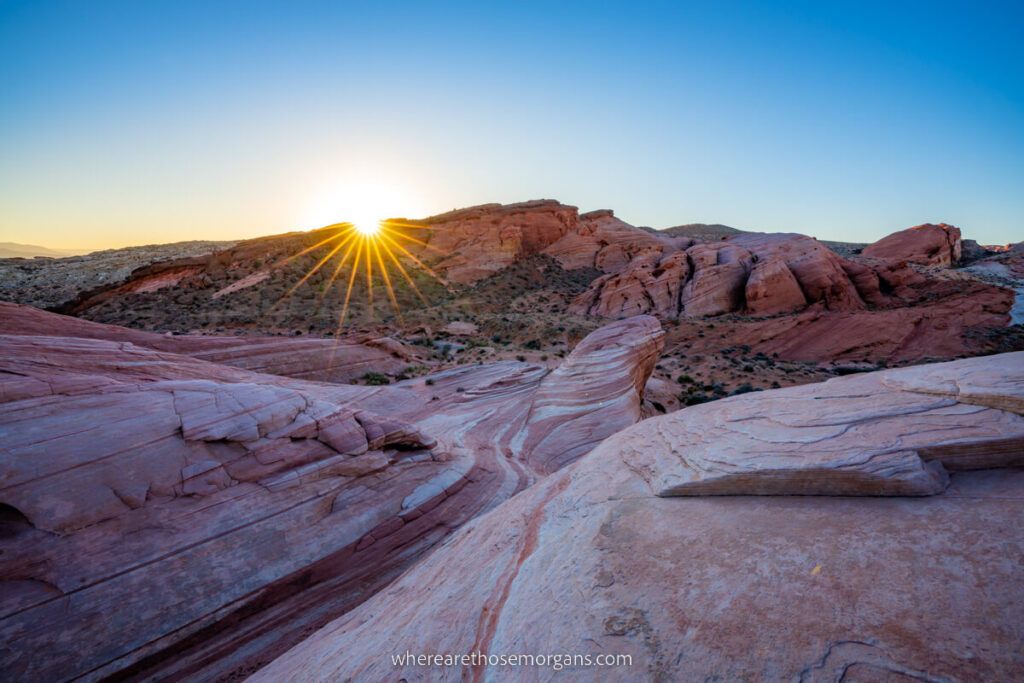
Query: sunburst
{"type": "Point", "coordinates": [370, 248]}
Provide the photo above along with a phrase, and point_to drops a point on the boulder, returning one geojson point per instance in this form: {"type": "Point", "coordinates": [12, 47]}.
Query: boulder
{"type": "Point", "coordinates": [604, 242]}
{"type": "Point", "coordinates": [772, 288]}
{"type": "Point", "coordinates": [595, 392]}
{"type": "Point", "coordinates": [928, 245]}
{"type": "Point", "coordinates": [650, 284]}
{"type": "Point", "coordinates": [750, 273]}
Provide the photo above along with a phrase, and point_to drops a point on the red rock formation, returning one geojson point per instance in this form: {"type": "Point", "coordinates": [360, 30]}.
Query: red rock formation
{"type": "Point", "coordinates": [608, 244]}
{"type": "Point", "coordinates": [469, 244]}
{"type": "Point", "coordinates": [592, 561]}
{"type": "Point", "coordinates": [720, 271]}
{"type": "Point", "coordinates": [325, 360]}
{"type": "Point", "coordinates": [589, 386]}
{"type": "Point", "coordinates": [772, 288]}
{"type": "Point", "coordinates": [943, 320]}
{"type": "Point", "coordinates": [648, 285]}
{"type": "Point", "coordinates": [753, 273]}
{"type": "Point", "coordinates": [927, 244]}
{"type": "Point", "coordinates": [817, 269]}
{"type": "Point", "coordinates": [174, 517]}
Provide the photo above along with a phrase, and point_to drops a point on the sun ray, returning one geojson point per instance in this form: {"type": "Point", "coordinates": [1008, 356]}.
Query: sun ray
{"type": "Point", "coordinates": [369, 275]}
{"type": "Point", "coordinates": [337, 270]}
{"type": "Point", "coordinates": [415, 260]}
{"type": "Point", "coordinates": [405, 274]}
{"type": "Point", "coordinates": [412, 239]}
{"type": "Point", "coordinates": [312, 271]}
{"type": "Point", "coordinates": [343, 229]}
{"type": "Point", "coordinates": [387, 280]}
{"type": "Point", "coordinates": [351, 281]}
{"type": "Point", "coordinates": [360, 245]}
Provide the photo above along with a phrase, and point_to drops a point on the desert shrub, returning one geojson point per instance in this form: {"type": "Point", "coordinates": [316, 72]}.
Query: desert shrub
{"type": "Point", "coordinates": [376, 379]}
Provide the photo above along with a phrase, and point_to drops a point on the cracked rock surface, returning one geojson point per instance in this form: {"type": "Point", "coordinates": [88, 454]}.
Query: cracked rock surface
{"type": "Point", "coordinates": [166, 516]}
{"type": "Point", "coordinates": [740, 587]}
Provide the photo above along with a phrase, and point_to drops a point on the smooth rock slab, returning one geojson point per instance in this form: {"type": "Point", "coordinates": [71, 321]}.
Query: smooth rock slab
{"type": "Point", "coordinates": [706, 588]}
{"type": "Point", "coordinates": [888, 433]}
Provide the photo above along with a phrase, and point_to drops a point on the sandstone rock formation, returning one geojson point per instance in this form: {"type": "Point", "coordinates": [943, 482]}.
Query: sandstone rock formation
{"type": "Point", "coordinates": [927, 245]}
{"type": "Point", "coordinates": [604, 242]}
{"type": "Point", "coordinates": [886, 433]}
{"type": "Point", "coordinates": [755, 273]}
{"type": "Point", "coordinates": [172, 517]}
{"type": "Point", "coordinates": [326, 360]}
{"type": "Point", "coordinates": [943, 320]}
{"type": "Point", "coordinates": [592, 561]}
{"type": "Point", "coordinates": [782, 294]}
{"type": "Point", "coordinates": [585, 398]}
{"type": "Point", "coordinates": [53, 281]}
{"type": "Point", "coordinates": [469, 244]}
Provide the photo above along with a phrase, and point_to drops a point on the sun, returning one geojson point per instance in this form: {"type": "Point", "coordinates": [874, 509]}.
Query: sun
{"type": "Point", "coordinates": [367, 227]}
{"type": "Point", "coordinates": [361, 203]}
{"type": "Point", "coordinates": [356, 242]}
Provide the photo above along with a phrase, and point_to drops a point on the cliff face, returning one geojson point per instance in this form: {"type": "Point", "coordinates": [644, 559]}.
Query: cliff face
{"type": "Point", "coordinates": [631, 551]}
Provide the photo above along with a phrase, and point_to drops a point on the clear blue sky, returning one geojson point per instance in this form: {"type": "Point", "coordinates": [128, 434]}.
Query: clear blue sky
{"type": "Point", "coordinates": [135, 122]}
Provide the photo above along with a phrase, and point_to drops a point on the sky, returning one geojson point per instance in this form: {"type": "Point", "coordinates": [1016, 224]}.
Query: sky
{"type": "Point", "coordinates": [144, 122]}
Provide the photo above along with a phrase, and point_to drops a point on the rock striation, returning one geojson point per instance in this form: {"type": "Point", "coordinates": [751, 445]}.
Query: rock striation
{"type": "Point", "coordinates": [318, 359]}
{"type": "Point", "coordinates": [897, 432]}
{"type": "Point", "coordinates": [585, 398]}
{"type": "Point", "coordinates": [166, 516]}
{"type": "Point", "coordinates": [596, 560]}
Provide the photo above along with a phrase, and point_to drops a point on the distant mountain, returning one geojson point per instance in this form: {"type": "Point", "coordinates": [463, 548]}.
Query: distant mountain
{"type": "Point", "coordinates": [15, 250]}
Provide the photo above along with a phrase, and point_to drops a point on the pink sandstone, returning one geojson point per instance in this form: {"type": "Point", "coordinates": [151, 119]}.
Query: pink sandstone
{"type": "Point", "coordinates": [173, 517]}
{"type": "Point", "coordinates": [809, 588]}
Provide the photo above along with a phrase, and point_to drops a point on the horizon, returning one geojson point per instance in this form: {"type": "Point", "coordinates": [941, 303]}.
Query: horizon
{"type": "Point", "coordinates": [72, 251]}
{"type": "Point", "coordinates": [158, 124]}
